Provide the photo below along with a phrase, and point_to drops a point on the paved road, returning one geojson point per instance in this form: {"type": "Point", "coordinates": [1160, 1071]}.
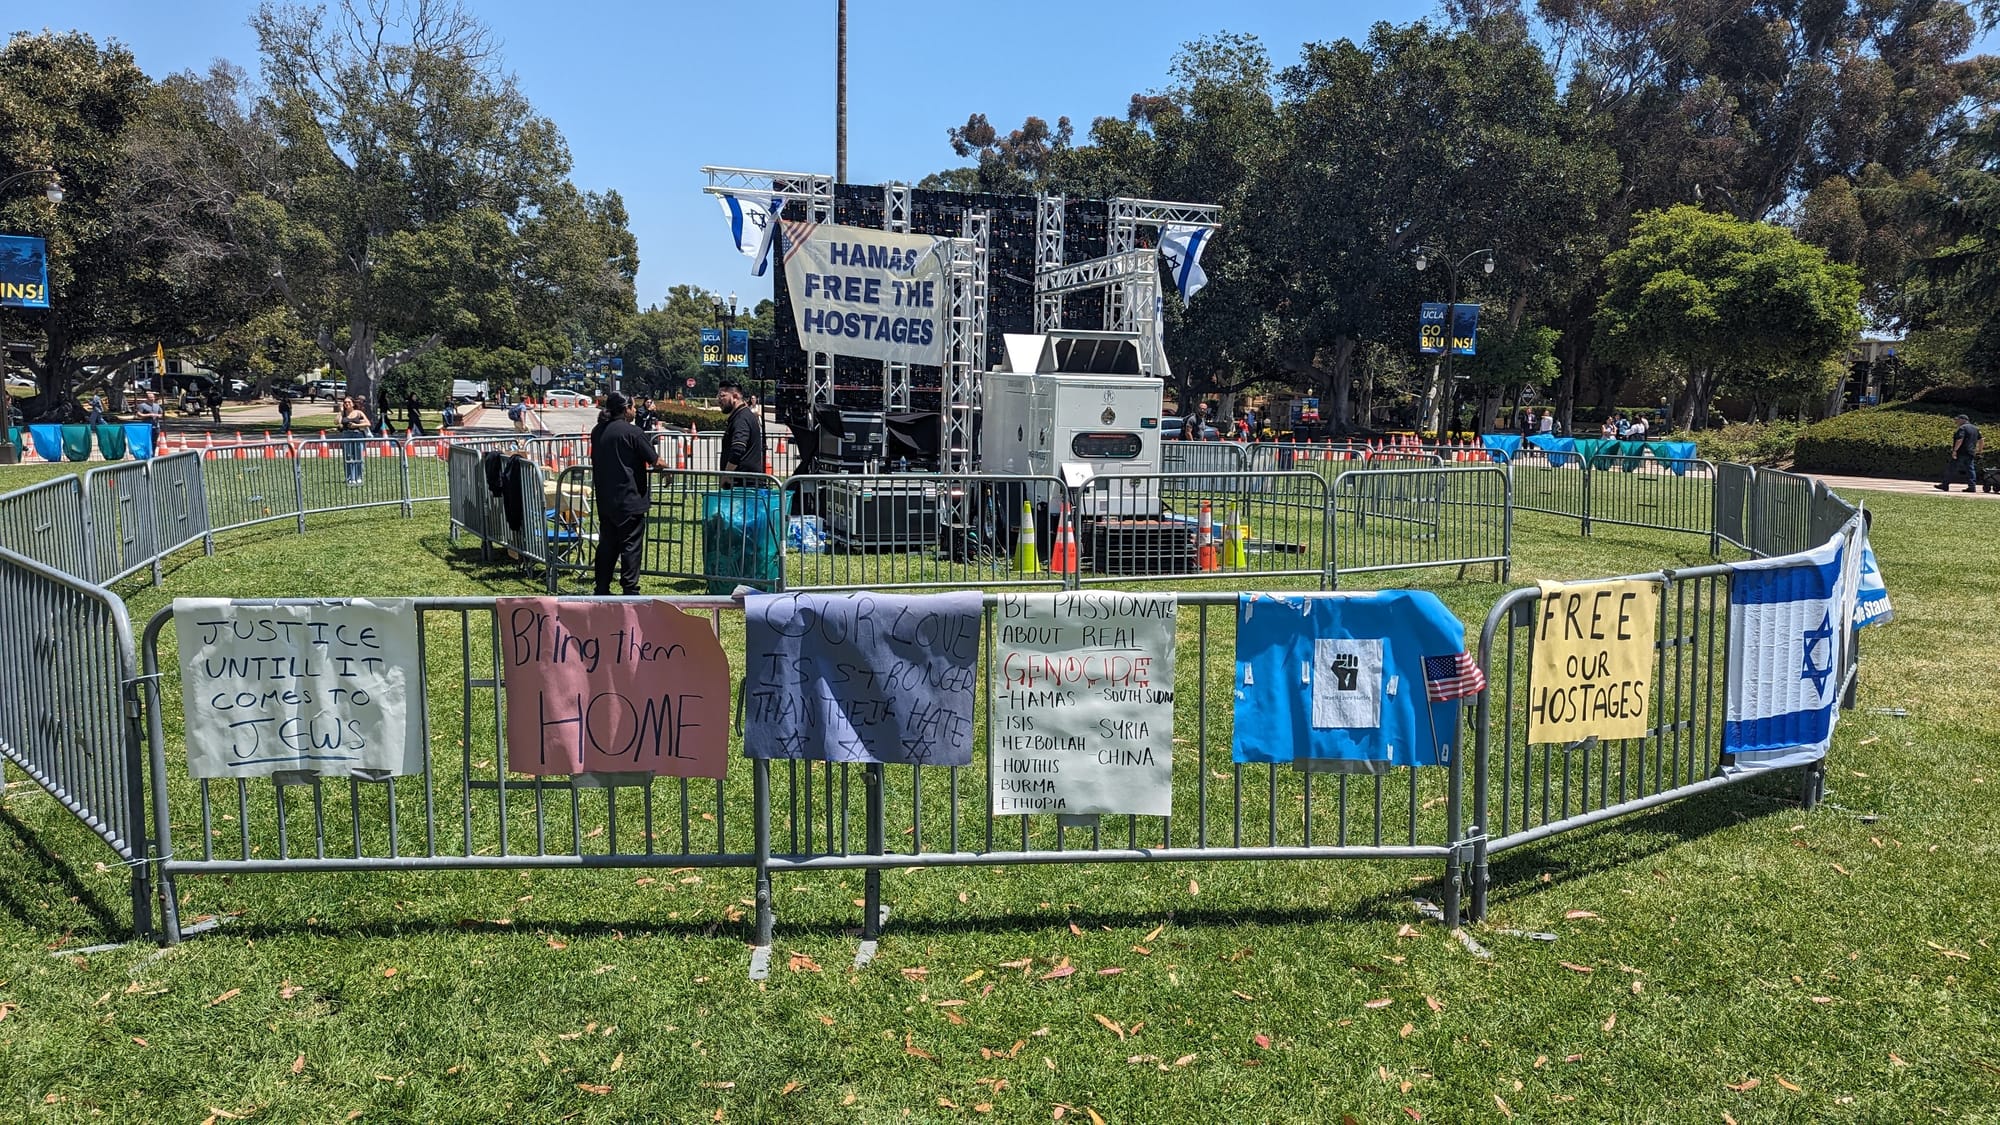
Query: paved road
{"type": "Point", "coordinates": [1911, 487]}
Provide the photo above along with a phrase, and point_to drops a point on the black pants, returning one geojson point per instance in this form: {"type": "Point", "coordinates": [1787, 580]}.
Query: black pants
{"type": "Point", "coordinates": [620, 540]}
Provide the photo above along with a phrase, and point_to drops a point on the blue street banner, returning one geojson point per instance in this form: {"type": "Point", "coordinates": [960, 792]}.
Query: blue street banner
{"type": "Point", "coordinates": [24, 272]}
{"type": "Point", "coordinates": [1465, 330]}
{"type": "Point", "coordinates": [1431, 316]}
{"type": "Point", "coordinates": [739, 348]}
{"type": "Point", "coordinates": [711, 347]}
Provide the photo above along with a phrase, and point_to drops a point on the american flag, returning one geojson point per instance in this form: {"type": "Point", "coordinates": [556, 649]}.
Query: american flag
{"type": "Point", "coordinates": [1453, 677]}
{"type": "Point", "coordinates": [796, 235]}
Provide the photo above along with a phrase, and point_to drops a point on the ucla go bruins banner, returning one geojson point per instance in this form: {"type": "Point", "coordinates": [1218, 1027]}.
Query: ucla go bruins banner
{"type": "Point", "coordinates": [866, 293]}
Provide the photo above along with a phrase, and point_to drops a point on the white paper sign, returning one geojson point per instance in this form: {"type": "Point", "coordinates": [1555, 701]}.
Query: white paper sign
{"type": "Point", "coordinates": [1347, 683]}
{"type": "Point", "coordinates": [867, 293]}
{"type": "Point", "coordinates": [1083, 703]}
{"type": "Point", "coordinates": [323, 689]}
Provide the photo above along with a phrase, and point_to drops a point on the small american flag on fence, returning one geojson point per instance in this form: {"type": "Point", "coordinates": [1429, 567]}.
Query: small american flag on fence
{"type": "Point", "coordinates": [1453, 677]}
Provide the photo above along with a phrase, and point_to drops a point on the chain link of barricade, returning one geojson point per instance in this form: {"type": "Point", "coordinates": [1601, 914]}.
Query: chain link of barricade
{"type": "Point", "coordinates": [116, 521]}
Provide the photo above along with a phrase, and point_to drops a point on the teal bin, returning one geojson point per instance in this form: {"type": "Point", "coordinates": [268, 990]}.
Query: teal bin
{"type": "Point", "coordinates": [742, 539]}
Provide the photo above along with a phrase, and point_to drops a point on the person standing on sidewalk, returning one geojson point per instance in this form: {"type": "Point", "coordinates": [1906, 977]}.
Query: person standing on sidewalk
{"type": "Point", "coordinates": [620, 456]}
{"type": "Point", "coordinates": [742, 437]}
{"type": "Point", "coordinates": [1965, 443]}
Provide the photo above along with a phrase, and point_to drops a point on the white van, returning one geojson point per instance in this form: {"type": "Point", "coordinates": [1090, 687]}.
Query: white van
{"type": "Point", "coordinates": [467, 391]}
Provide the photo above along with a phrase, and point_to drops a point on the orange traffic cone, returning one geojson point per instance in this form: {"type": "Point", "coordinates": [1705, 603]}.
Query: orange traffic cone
{"type": "Point", "coordinates": [1063, 559]}
{"type": "Point", "coordinates": [1207, 556]}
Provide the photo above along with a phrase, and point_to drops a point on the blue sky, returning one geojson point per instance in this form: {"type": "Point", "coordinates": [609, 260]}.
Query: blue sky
{"type": "Point", "coordinates": [647, 93]}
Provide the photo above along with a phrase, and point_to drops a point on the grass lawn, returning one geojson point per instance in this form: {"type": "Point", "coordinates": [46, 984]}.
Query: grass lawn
{"type": "Point", "coordinates": [1730, 957]}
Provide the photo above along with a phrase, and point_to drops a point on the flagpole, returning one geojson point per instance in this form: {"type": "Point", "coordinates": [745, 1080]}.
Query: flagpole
{"type": "Point", "coordinates": [840, 99]}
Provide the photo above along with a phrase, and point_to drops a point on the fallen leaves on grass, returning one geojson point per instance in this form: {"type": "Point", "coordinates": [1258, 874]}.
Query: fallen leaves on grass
{"type": "Point", "coordinates": [1579, 915]}
{"type": "Point", "coordinates": [1610, 1022]}
{"type": "Point", "coordinates": [791, 1088]}
{"type": "Point", "coordinates": [1792, 1086]}
{"type": "Point", "coordinates": [225, 997]}
{"type": "Point", "coordinates": [1744, 1086]}
{"type": "Point", "coordinates": [916, 972]}
{"type": "Point", "coordinates": [1435, 1004]}
{"type": "Point", "coordinates": [1194, 888]}
{"type": "Point", "coordinates": [1063, 968]}
{"type": "Point", "coordinates": [1110, 1025]}
{"type": "Point", "coordinates": [1952, 953]}
{"type": "Point", "coordinates": [299, 1064]}
{"type": "Point", "coordinates": [1379, 1002]}
{"type": "Point", "coordinates": [1505, 1109]}
{"type": "Point", "coordinates": [1576, 968]}
{"type": "Point", "coordinates": [800, 963]}
{"type": "Point", "coordinates": [593, 1088]}
{"type": "Point", "coordinates": [1076, 929]}
{"type": "Point", "coordinates": [1262, 1040]}
{"type": "Point", "coordinates": [914, 1051]}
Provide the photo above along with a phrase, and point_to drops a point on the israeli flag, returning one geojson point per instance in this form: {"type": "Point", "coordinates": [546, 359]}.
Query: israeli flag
{"type": "Point", "coordinates": [1787, 626]}
{"type": "Point", "coordinates": [753, 224]}
{"type": "Point", "coordinates": [1871, 604]}
{"type": "Point", "coordinates": [1181, 246]}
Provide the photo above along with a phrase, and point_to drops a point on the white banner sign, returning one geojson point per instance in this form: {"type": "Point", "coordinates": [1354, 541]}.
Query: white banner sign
{"type": "Point", "coordinates": [323, 689]}
{"type": "Point", "coordinates": [1083, 704]}
{"type": "Point", "coordinates": [866, 293]}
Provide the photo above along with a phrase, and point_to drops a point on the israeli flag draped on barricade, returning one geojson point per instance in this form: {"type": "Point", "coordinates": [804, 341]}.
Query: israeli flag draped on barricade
{"type": "Point", "coordinates": [1787, 628]}
{"type": "Point", "coordinates": [1871, 600]}
{"type": "Point", "coordinates": [752, 223]}
{"type": "Point", "coordinates": [1181, 246]}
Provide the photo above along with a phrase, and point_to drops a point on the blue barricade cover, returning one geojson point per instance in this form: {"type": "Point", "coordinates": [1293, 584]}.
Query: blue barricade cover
{"type": "Point", "coordinates": [1503, 447]}
{"type": "Point", "coordinates": [139, 439]}
{"type": "Point", "coordinates": [1561, 450]}
{"type": "Point", "coordinates": [47, 437]}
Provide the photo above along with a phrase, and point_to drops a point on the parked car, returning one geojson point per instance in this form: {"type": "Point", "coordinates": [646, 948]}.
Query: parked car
{"type": "Point", "coordinates": [1170, 430]}
{"type": "Point", "coordinates": [568, 398]}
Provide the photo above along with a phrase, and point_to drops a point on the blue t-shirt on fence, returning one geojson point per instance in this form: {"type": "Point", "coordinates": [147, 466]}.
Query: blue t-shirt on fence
{"type": "Point", "coordinates": [1349, 682]}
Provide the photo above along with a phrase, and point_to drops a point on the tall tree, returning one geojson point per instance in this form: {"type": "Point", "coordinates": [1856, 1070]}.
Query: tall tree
{"type": "Point", "coordinates": [1714, 298]}
{"type": "Point", "coordinates": [137, 258]}
{"type": "Point", "coordinates": [421, 200]}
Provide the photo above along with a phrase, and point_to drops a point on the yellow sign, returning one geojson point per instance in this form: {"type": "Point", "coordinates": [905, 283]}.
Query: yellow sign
{"type": "Point", "coordinates": [1592, 672]}
{"type": "Point", "coordinates": [160, 359]}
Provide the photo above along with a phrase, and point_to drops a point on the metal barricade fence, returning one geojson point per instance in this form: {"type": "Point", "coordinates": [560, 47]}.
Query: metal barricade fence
{"type": "Point", "coordinates": [1203, 457]}
{"type": "Point", "coordinates": [351, 472]}
{"type": "Point", "coordinates": [1550, 484]}
{"type": "Point", "coordinates": [727, 528]}
{"type": "Point", "coordinates": [466, 810]}
{"type": "Point", "coordinates": [244, 490]}
{"type": "Point", "coordinates": [1733, 483]}
{"type": "Point", "coordinates": [1780, 513]}
{"type": "Point", "coordinates": [1396, 519]}
{"type": "Point", "coordinates": [906, 530]}
{"type": "Point", "coordinates": [1150, 527]}
{"type": "Point", "coordinates": [1676, 494]}
{"type": "Point", "coordinates": [463, 810]}
{"type": "Point", "coordinates": [45, 522]}
{"type": "Point", "coordinates": [67, 647]}
{"type": "Point", "coordinates": [180, 504]}
{"type": "Point", "coordinates": [701, 451]}
{"type": "Point", "coordinates": [120, 500]}
{"type": "Point", "coordinates": [1524, 792]}
{"type": "Point", "coordinates": [468, 498]}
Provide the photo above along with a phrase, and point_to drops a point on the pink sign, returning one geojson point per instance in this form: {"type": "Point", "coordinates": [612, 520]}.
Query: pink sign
{"type": "Point", "coordinates": [610, 687]}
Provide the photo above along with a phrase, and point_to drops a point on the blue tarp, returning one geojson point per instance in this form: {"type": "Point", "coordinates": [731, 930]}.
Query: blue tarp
{"type": "Point", "coordinates": [1561, 450]}
{"type": "Point", "coordinates": [47, 437]}
{"type": "Point", "coordinates": [139, 439]}
{"type": "Point", "coordinates": [1503, 447]}
{"type": "Point", "coordinates": [1676, 454]}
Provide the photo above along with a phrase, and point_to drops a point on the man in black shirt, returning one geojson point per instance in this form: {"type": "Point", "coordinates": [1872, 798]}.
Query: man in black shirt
{"type": "Point", "coordinates": [742, 437]}
{"type": "Point", "coordinates": [620, 454]}
{"type": "Point", "coordinates": [1965, 442]}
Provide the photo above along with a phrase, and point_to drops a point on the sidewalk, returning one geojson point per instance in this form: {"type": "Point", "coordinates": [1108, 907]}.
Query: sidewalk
{"type": "Point", "coordinates": [1891, 484]}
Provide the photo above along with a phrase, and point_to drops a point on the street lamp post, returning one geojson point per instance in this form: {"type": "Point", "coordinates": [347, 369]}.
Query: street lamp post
{"type": "Point", "coordinates": [10, 455]}
{"type": "Point", "coordinates": [1447, 420]}
{"type": "Point", "coordinates": [725, 315]}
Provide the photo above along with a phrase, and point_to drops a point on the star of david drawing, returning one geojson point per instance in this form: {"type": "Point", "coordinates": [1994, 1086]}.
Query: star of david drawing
{"type": "Point", "coordinates": [1819, 672]}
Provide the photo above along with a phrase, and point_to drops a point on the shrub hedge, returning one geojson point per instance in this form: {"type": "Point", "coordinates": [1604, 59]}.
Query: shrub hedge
{"type": "Point", "coordinates": [1911, 440]}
